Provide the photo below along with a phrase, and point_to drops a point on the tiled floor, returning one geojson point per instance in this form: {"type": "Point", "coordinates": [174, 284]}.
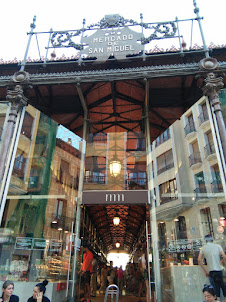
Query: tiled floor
{"type": "Point", "coordinates": [100, 298]}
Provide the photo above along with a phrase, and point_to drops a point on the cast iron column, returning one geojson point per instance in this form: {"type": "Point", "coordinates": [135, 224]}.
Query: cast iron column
{"type": "Point", "coordinates": [213, 83]}
{"type": "Point", "coordinates": [17, 99]}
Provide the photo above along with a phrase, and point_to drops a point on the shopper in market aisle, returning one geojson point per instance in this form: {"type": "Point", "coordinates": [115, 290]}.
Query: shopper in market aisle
{"type": "Point", "coordinates": [86, 271]}
{"type": "Point", "coordinates": [39, 292]}
{"type": "Point", "coordinates": [7, 290]}
{"type": "Point", "coordinates": [214, 254]}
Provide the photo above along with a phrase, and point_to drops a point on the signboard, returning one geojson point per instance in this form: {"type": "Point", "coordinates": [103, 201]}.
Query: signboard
{"type": "Point", "coordinates": [39, 244]}
{"type": "Point", "coordinates": [117, 42]}
{"type": "Point", "coordinates": [55, 245]}
{"type": "Point", "coordinates": [115, 197]}
{"type": "Point", "coordinates": [184, 245]}
{"type": "Point", "coordinates": [24, 243]}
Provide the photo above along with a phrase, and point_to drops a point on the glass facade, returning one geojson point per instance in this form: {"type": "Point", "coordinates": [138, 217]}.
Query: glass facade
{"type": "Point", "coordinates": [39, 211]}
{"type": "Point", "coordinates": [187, 183]}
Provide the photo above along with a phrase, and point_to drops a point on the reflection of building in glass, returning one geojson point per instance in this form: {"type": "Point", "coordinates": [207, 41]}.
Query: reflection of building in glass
{"type": "Point", "coordinates": [187, 182]}
{"type": "Point", "coordinates": [40, 204]}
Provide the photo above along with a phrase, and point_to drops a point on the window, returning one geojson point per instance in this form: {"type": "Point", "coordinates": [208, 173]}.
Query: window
{"type": "Point", "coordinates": [204, 114]}
{"type": "Point", "coordinates": [162, 234]}
{"type": "Point", "coordinates": [27, 125]}
{"type": "Point", "coordinates": [216, 184]}
{"type": "Point", "coordinates": [195, 156]}
{"type": "Point", "coordinates": [209, 148]}
{"type": "Point", "coordinates": [163, 137]}
{"type": "Point", "coordinates": [168, 191]}
{"type": "Point", "coordinates": [64, 175]}
{"type": "Point", "coordinates": [181, 231]}
{"type": "Point", "coordinates": [206, 222]}
{"type": "Point", "coordinates": [19, 165]}
{"type": "Point", "coordinates": [190, 126]}
{"type": "Point", "coordinates": [95, 169]}
{"type": "Point", "coordinates": [58, 215]}
{"type": "Point", "coordinates": [200, 185]}
{"type": "Point", "coordinates": [165, 161]}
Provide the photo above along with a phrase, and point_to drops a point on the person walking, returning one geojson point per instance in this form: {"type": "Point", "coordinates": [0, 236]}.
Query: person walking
{"type": "Point", "coordinates": [86, 271]}
{"type": "Point", "coordinates": [213, 253]}
{"type": "Point", "coordinates": [103, 278]}
{"type": "Point", "coordinates": [120, 279]}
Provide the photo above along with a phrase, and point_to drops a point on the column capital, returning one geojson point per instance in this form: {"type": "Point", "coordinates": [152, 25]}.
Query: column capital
{"type": "Point", "coordinates": [213, 84]}
{"type": "Point", "coordinates": [213, 80]}
{"type": "Point", "coordinates": [16, 96]}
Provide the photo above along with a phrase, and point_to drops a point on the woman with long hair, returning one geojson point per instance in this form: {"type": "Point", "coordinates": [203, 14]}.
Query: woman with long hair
{"type": "Point", "coordinates": [7, 292]}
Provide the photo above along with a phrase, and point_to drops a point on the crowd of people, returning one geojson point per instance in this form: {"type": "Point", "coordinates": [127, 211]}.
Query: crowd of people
{"type": "Point", "coordinates": [38, 293]}
{"type": "Point", "coordinates": [96, 276]}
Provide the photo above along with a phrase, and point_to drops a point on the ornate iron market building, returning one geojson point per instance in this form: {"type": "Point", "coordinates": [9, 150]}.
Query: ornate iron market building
{"type": "Point", "coordinates": [114, 132]}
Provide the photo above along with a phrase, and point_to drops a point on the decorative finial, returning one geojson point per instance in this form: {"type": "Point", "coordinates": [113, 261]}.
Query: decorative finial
{"type": "Point", "coordinates": [33, 24]}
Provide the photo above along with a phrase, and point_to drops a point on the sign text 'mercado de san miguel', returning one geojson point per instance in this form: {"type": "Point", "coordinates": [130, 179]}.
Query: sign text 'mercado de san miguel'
{"type": "Point", "coordinates": [115, 197]}
{"type": "Point", "coordinates": [112, 42]}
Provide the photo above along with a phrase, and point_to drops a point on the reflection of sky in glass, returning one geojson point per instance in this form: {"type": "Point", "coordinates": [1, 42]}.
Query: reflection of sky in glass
{"type": "Point", "coordinates": [65, 134]}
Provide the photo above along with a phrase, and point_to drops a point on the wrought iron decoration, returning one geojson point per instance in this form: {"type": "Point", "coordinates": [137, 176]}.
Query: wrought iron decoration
{"type": "Point", "coordinates": [161, 30]}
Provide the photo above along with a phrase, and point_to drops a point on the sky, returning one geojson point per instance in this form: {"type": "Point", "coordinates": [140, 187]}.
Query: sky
{"type": "Point", "coordinates": [16, 17]}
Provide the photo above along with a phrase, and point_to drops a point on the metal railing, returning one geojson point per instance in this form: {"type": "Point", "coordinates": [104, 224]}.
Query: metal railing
{"type": "Point", "coordinates": [170, 196]}
{"type": "Point", "coordinates": [216, 186]}
{"type": "Point", "coordinates": [200, 192]}
{"type": "Point", "coordinates": [165, 136]}
{"type": "Point", "coordinates": [167, 167]}
{"type": "Point", "coordinates": [203, 117]}
{"type": "Point", "coordinates": [189, 128]}
{"type": "Point", "coordinates": [195, 158]}
{"type": "Point", "coordinates": [98, 179]}
{"type": "Point", "coordinates": [209, 149]}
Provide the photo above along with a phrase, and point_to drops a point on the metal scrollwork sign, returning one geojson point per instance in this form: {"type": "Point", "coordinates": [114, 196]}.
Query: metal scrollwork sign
{"type": "Point", "coordinates": [112, 37]}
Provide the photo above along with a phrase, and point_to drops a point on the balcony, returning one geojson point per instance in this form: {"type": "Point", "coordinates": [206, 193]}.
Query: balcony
{"type": "Point", "coordinates": [167, 197]}
{"type": "Point", "coordinates": [210, 151]}
{"type": "Point", "coordinates": [200, 192]}
{"type": "Point", "coordinates": [139, 183]}
{"type": "Point", "coordinates": [94, 179]}
{"type": "Point", "coordinates": [165, 136]}
{"type": "Point", "coordinates": [217, 186]}
{"type": "Point", "coordinates": [189, 129]}
{"type": "Point", "coordinates": [67, 180]}
{"type": "Point", "coordinates": [203, 117]}
{"type": "Point", "coordinates": [168, 167]}
{"type": "Point", "coordinates": [195, 160]}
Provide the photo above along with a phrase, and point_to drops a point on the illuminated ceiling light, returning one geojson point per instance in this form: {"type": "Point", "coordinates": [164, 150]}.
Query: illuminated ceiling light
{"type": "Point", "coordinates": [115, 167]}
{"type": "Point", "coordinates": [176, 219]}
{"type": "Point", "coordinates": [54, 220]}
{"type": "Point", "coordinates": [60, 229]}
{"type": "Point", "coordinates": [162, 222]}
{"type": "Point", "coordinates": [117, 244]}
{"type": "Point", "coordinates": [116, 220]}
{"type": "Point", "coordinates": [222, 218]}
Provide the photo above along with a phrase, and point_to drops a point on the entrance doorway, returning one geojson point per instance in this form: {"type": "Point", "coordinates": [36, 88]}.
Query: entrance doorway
{"type": "Point", "coordinates": [119, 249]}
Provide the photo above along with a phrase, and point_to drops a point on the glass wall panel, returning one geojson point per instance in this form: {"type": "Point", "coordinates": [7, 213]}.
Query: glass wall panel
{"type": "Point", "coordinates": [115, 161]}
{"type": "Point", "coordinates": [190, 204]}
{"type": "Point", "coordinates": [39, 211]}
